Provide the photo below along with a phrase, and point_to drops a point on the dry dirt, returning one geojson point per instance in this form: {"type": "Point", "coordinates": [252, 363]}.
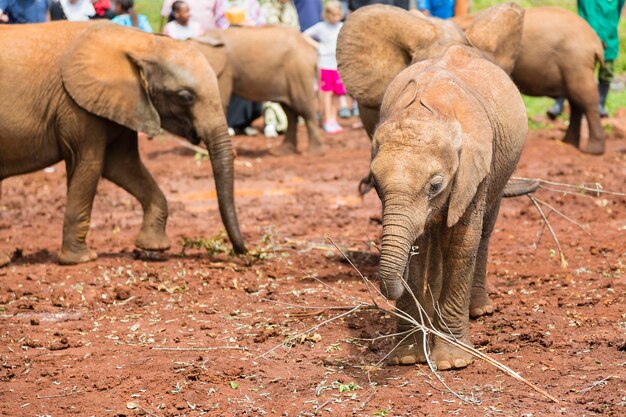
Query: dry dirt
{"type": "Point", "coordinates": [85, 340]}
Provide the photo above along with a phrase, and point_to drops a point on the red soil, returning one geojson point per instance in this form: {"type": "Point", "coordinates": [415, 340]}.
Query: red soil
{"type": "Point", "coordinates": [81, 340]}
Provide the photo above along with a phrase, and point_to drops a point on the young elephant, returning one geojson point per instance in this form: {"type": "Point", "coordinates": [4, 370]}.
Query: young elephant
{"type": "Point", "coordinates": [450, 135]}
{"type": "Point", "coordinates": [368, 60]}
{"type": "Point", "coordinates": [268, 63]}
{"type": "Point", "coordinates": [558, 56]}
{"type": "Point", "coordinates": [80, 92]}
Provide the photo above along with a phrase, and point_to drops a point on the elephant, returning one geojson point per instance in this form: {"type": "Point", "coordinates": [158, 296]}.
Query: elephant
{"type": "Point", "coordinates": [450, 135]}
{"type": "Point", "coordinates": [369, 60]}
{"type": "Point", "coordinates": [557, 57]}
{"type": "Point", "coordinates": [268, 63]}
{"type": "Point", "coordinates": [80, 92]}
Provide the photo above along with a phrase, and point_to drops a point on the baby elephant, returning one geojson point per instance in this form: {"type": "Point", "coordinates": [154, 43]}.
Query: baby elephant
{"type": "Point", "coordinates": [450, 135]}
{"type": "Point", "coordinates": [80, 92]}
{"type": "Point", "coordinates": [557, 57]}
{"type": "Point", "coordinates": [268, 63]}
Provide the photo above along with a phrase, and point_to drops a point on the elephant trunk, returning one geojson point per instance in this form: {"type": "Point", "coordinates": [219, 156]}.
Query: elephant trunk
{"type": "Point", "coordinates": [222, 160]}
{"type": "Point", "coordinates": [400, 229]}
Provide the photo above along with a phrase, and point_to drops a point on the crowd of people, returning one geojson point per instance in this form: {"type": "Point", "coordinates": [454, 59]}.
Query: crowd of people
{"type": "Point", "coordinates": [319, 21]}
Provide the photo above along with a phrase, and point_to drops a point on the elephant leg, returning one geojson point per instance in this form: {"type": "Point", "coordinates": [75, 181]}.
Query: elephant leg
{"type": "Point", "coordinates": [572, 136]}
{"type": "Point", "coordinates": [424, 281]}
{"type": "Point", "coordinates": [587, 101]}
{"type": "Point", "coordinates": [409, 348]}
{"type": "Point", "coordinates": [480, 303]}
{"type": "Point", "coordinates": [290, 143]}
{"type": "Point", "coordinates": [83, 175]}
{"type": "Point", "coordinates": [452, 317]}
{"type": "Point", "coordinates": [124, 168]}
{"type": "Point", "coordinates": [369, 117]}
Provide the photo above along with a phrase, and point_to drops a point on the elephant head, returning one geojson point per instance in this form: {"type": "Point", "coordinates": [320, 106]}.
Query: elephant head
{"type": "Point", "coordinates": [431, 152]}
{"type": "Point", "coordinates": [368, 60]}
{"type": "Point", "coordinates": [145, 83]}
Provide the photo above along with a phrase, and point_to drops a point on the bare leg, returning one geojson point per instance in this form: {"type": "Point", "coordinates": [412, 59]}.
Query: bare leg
{"type": "Point", "coordinates": [123, 167]}
{"type": "Point", "coordinates": [480, 303]}
{"type": "Point", "coordinates": [82, 181]}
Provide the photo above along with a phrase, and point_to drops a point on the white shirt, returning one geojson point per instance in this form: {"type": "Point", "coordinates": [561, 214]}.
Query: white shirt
{"type": "Point", "coordinates": [79, 11]}
{"type": "Point", "coordinates": [177, 31]}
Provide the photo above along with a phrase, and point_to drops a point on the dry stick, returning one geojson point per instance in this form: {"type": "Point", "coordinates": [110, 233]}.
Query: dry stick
{"type": "Point", "coordinates": [317, 326]}
{"type": "Point", "coordinates": [195, 148]}
{"type": "Point", "coordinates": [564, 192]}
{"type": "Point", "coordinates": [66, 394]}
{"type": "Point", "coordinates": [200, 349]}
{"type": "Point", "coordinates": [580, 226]}
{"type": "Point", "coordinates": [556, 240]}
{"type": "Point", "coordinates": [454, 342]}
{"type": "Point", "coordinates": [597, 190]}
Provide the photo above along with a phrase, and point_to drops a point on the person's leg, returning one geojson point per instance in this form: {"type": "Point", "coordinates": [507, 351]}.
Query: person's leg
{"type": "Point", "coordinates": [605, 76]}
{"type": "Point", "coordinates": [344, 109]}
{"type": "Point", "coordinates": [556, 109]}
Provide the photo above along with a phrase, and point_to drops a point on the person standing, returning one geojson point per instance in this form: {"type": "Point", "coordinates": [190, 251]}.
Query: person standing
{"type": "Point", "coordinates": [324, 35]}
{"type": "Point", "coordinates": [603, 16]}
{"type": "Point", "coordinates": [24, 11]}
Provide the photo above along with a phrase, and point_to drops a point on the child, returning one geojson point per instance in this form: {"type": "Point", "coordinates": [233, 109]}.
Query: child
{"type": "Point", "coordinates": [126, 16]}
{"type": "Point", "coordinates": [326, 34]}
{"type": "Point", "coordinates": [182, 27]}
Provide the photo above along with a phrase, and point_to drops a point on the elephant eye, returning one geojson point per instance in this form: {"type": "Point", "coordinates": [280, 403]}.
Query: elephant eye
{"type": "Point", "coordinates": [435, 187]}
{"type": "Point", "coordinates": [186, 96]}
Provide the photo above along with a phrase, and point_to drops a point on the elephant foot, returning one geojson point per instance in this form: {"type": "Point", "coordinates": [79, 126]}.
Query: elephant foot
{"type": "Point", "coordinates": [594, 147]}
{"type": "Point", "coordinates": [316, 149]}
{"type": "Point", "coordinates": [571, 140]}
{"type": "Point", "coordinates": [284, 149]}
{"type": "Point", "coordinates": [4, 259]}
{"type": "Point", "coordinates": [152, 241]}
{"type": "Point", "coordinates": [409, 352]}
{"type": "Point", "coordinates": [447, 356]}
{"type": "Point", "coordinates": [67, 257]}
{"type": "Point", "coordinates": [480, 305]}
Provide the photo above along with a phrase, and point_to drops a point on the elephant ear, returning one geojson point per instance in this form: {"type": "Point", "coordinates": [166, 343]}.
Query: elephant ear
{"type": "Point", "coordinates": [473, 139]}
{"type": "Point", "coordinates": [213, 50]}
{"type": "Point", "coordinates": [498, 32]}
{"type": "Point", "coordinates": [375, 44]}
{"type": "Point", "coordinates": [104, 70]}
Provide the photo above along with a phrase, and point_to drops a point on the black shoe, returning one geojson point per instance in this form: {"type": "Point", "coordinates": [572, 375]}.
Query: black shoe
{"type": "Point", "coordinates": [556, 109]}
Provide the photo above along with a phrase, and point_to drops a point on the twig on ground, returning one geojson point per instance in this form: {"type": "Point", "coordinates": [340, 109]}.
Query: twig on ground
{"type": "Point", "coordinates": [200, 349]}
{"type": "Point", "coordinates": [73, 391]}
{"type": "Point", "coordinates": [549, 226]}
{"type": "Point", "coordinates": [417, 326]}
{"type": "Point", "coordinates": [580, 226]}
{"type": "Point", "coordinates": [597, 189]}
{"type": "Point", "coordinates": [600, 383]}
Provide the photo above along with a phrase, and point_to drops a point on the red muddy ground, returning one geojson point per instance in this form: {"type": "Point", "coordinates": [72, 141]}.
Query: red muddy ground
{"type": "Point", "coordinates": [82, 340]}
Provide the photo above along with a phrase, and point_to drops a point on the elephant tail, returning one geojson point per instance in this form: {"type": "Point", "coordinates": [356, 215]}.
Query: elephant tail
{"type": "Point", "coordinates": [599, 53]}
{"type": "Point", "coordinates": [517, 188]}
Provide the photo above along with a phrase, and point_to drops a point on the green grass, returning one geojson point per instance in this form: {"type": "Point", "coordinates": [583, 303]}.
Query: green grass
{"type": "Point", "coordinates": [152, 9]}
